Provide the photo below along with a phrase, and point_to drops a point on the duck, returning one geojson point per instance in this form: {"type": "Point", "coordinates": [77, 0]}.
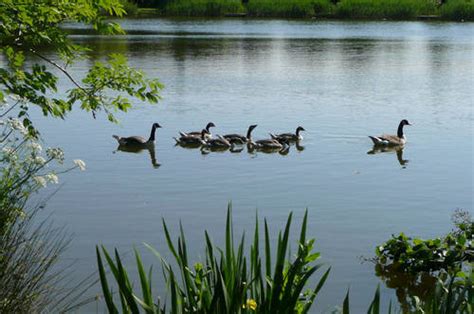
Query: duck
{"type": "Point", "coordinates": [392, 140]}
{"type": "Point", "coordinates": [138, 140]}
{"type": "Point", "coordinates": [292, 137]}
{"type": "Point", "coordinates": [191, 140]}
{"type": "Point", "coordinates": [198, 133]}
{"type": "Point", "coordinates": [241, 139]}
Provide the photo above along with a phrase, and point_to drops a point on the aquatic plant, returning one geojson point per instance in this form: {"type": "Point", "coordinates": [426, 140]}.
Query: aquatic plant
{"type": "Point", "coordinates": [226, 282]}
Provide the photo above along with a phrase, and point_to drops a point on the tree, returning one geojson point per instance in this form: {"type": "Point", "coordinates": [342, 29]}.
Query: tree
{"type": "Point", "coordinates": [27, 27]}
{"type": "Point", "coordinates": [27, 79]}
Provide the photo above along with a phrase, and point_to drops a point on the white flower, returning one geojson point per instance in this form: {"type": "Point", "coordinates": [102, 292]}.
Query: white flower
{"type": "Point", "coordinates": [39, 160]}
{"type": "Point", "coordinates": [51, 177]}
{"type": "Point", "coordinates": [40, 180]}
{"type": "Point", "coordinates": [35, 147]}
{"type": "Point", "coordinates": [8, 150]}
{"type": "Point", "coordinates": [55, 153]}
{"type": "Point", "coordinates": [17, 125]}
{"type": "Point", "coordinates": [79, 163]}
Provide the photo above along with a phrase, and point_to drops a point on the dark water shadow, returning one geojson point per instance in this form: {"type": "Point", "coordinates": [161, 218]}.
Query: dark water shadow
{"type": "Point", "coordinates": [137, 149]}
{"type": "Point", "coordinates": [390, 149]}
{"type": "Point", "coordinates": [407, 286]}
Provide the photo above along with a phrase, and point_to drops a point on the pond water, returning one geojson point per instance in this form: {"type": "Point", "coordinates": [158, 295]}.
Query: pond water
{"type": "Point", "coordinates": [341, 81]}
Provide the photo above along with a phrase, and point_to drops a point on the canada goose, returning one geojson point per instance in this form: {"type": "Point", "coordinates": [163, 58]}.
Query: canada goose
{"type": "Point", "coordinates": [138, 140]}
{"type": "Point", "coordinates": [292, 137]}
{"type": "Point", "coordinates": [190, 140]}
{"type": "Point", "coordinates": [269, 144]}
{"type": "Point", "coordinates": [241, 139]}
{"type": "Point", "coordinates": [392, 140]}
{"type": "Point", "coordinates": [198, 133]}
{"type": "Point", "coordinates": [219, 142]}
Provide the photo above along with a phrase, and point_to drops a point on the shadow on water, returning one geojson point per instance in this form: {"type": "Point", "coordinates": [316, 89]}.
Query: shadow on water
{"type": "Point", "coordinates": [406, 286]}
{"type": "Point", "coordinates": [390, 149]}
{"type": "Point", "coordinates": [137, 149]}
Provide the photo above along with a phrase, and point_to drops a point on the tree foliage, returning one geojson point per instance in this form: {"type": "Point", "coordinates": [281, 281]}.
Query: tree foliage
{"type": "Point", "coordinates": [29, 26]}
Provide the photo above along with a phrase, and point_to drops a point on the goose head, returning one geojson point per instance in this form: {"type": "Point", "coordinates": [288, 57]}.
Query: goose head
{"type": "Point", "coordinates": [405, 122]}
{"type": "Point", "coordinates": [210, 125]}
{"type": "Point", "coordinates": [299, 129]}
{"type": "Point", "coordinates": [156, 125]}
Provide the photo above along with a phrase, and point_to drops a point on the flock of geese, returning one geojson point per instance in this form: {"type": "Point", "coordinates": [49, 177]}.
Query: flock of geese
{"type": "Point", "coordinates": [276, 143]}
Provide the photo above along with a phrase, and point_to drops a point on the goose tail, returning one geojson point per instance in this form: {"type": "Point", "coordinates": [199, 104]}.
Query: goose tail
{"type": "Point", "coordinates": [116, 137]}
{"type": "Point", "coordinates": [177, 140]}
{"type": "Point", "coordinates": [375, 140]}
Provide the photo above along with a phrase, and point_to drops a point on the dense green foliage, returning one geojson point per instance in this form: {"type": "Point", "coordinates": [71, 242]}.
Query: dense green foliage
{"type": "Point", "coordinates": [456, 10]}
{"type": "Point", "coordinates": [390, 9]}
{"type": "Point", "coordinates": [227, 281]}
{"type": "Point", "coordinates": [448, 253]}
{"type": "Point", "coordinates": [288, 8]}
{"type": "Point", "coordinates": [202, 7]}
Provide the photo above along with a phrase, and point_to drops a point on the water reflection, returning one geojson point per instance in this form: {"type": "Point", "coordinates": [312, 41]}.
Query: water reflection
{"type": "Point", "coordinates": [407, 286]}
{"type": "Point", "coordinates": [137, 149]}
{"type": "Point", "coordinates": [390, 149]}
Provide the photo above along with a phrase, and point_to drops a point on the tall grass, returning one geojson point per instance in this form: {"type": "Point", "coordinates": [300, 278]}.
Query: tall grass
{"type": "Point", "coordinates": [457, 10]}
{"type": "Point", "coordinates": [227, 281]}
{"type": "Point", "coordinates": [202, 7]}
{"type": "Point", "coordinates": [389, 9]}
{"type": "Point", "coordinates": [288, 8]}
{"type": "Point", "coordinates": [29, 251]}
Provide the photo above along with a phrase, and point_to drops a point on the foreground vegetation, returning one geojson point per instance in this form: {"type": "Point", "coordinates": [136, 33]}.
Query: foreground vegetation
{"type": "Point", "coordinates": [455, 10]}
{"type": "Point", "coordinates": [233, 281]}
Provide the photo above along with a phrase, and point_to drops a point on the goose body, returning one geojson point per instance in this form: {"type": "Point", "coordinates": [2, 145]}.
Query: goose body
{"type": "Point", "coordinates": [268, 144]}
{"type": "Point", "coordinates": [198, 133]}
{"type": "Point", "coordinates": [291, 137]}
{"type": "Point", "coordinates": [138, 140]}
{"type": "Point", "coordinates": [391, 140]}
{"type": "Point", "coordinates": [219, 142]}
{"type": "Point", "coordinates": [191, 140]}
{"type": "Point", "coordinates": [239, 138]}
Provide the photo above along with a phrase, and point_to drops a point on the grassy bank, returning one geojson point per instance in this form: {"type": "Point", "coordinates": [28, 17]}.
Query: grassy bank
{"type": "Point", "coordinates": [454, 10]}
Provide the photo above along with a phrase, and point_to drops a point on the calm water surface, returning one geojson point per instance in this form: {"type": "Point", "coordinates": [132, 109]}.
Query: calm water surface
{"type": "Point", "coordinates": [342, 81]}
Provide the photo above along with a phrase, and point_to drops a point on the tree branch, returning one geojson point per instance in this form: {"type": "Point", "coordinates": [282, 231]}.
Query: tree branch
{"type": "Point", "coordinates": [59, 67]}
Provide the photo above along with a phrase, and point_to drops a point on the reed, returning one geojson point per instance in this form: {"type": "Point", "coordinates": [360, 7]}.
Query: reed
{"type": "Point", "coordinates": [388, 9]}
{"type": "Point", "coordinates": [202, 7]}
{"type": "Point", "coordinates": [457, 10]}
{"type": "Point", "coordinates": [288, 8]}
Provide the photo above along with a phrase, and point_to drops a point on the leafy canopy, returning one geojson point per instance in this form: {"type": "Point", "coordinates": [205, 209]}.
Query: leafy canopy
{"type": "Point", "coordinates": [27, 27]}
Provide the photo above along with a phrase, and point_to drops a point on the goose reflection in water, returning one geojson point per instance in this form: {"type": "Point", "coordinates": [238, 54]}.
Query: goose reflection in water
{"type": "Point", "coordinates": [137, 149]}
{"type": "Point", "coordinates": [298, 146]}
{"type": "Point", "coordinates": [390, 149]}
{"type": "Point", "coordinates": [252, 149]}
